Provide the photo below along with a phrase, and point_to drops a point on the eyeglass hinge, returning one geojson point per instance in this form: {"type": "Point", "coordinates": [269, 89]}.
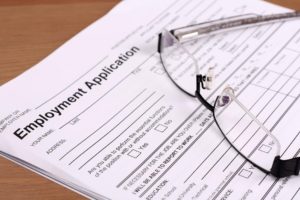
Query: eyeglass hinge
{"type": "Point", "coordinates": [285, 168]}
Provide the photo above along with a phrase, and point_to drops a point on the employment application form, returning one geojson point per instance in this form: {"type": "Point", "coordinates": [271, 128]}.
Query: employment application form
{"type": "Point", "coordinates": [102, 110]}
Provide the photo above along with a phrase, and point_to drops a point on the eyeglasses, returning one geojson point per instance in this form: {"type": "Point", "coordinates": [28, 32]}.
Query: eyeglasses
{"type": "Point", "coordinates": [238, 125]}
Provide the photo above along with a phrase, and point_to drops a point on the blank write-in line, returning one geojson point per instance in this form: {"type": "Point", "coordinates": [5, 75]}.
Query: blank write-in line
{"type": "Point", "coordinates": [238, 46]}
{"type": "Point", "coordinates": [95, 102]}
{"type": "Point", "coordinates": [294, 50]}
{"type": "Point", "coordinates": [295, 194]}
{"type": "Point", "coordinates": [163, 12]}
{"type": "Point", "coordinates": [183, 6]}
{"type": "Point", "coordinates": [45, 102]}
{"type": "Point", "coordinates": [231, 43]}
{"type": "Point", "coordinates": [204, 10]}
{"type": "Point", "coordinates": [272, 90]}
{"type": "Point", "coordinates": [204, 160]}
{"type": "Point", "coordinates": [150, 107]}
{"type": "Point", "coordinates": [117, 125]}
{"type": "Point", "coordinates": [109, 120]}
{"type": "Point", "coordinates": [195, 7]}
{"type": "Point", "coordinates": [110, 90]}
{"type": "Point", "coordinates": [215, 164]}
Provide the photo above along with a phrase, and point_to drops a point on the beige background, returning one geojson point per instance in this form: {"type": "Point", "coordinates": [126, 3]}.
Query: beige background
{"type": "Point", "coordinates": [30, 30]}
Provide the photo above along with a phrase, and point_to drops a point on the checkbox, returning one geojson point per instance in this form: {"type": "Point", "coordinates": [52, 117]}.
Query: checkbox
{"type": "Point", "coordinates": [245, 173]}
{"type": "Point", "coordinates": [134, 153]}
{"type": "Point", "coordinates": [265, 148]}
{"type": "Point", "coordinates": [159, 71]}
{"type": "Point", "coordinates": [160, 128]}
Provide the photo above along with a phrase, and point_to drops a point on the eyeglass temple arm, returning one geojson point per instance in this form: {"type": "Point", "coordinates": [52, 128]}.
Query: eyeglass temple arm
{"type": "Point", "coordinates": [280, 168]}
{"type": "Point", "coordinates": [212, 27]}
{"type": "Point", "coordinates": [261, 125]}
{"type": "Point", "coordinates": [285, 168]}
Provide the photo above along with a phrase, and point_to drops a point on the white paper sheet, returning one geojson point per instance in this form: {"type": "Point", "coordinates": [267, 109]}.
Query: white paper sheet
{"type": "Point", "coordinates": [102, 110]}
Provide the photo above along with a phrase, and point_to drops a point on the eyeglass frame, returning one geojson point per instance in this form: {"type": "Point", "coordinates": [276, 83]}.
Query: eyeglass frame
{"type": "Point", "coordinates": [280, 168]}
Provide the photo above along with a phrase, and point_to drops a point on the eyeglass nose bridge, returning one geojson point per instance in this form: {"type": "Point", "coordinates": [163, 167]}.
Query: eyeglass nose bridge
{"type": "Point", "coordinates": [201, 82]}
{"type": "Point", "coordinates": [206, 81]}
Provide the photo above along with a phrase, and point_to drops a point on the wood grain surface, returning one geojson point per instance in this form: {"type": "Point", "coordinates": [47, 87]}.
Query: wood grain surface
{"type": "Point", "coordinates": [30, 30]}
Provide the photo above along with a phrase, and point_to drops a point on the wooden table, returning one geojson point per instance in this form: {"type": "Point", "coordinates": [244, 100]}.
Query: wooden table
{"type": "Point", "coordinates": [30, 30]}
